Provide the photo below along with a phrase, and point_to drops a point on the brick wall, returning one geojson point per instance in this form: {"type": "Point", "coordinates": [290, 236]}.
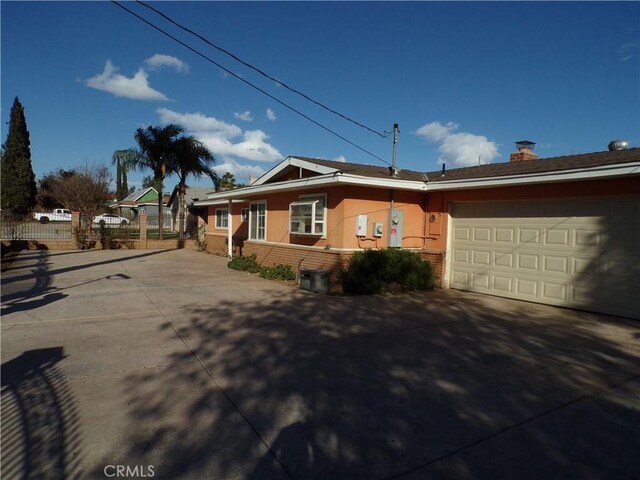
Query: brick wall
{"type": "Point", "coordinates": [331, 260]}
{"type": "Point", "coordinates": [217, 244]}
{"type": "Point", "coordinates": [436, 258]}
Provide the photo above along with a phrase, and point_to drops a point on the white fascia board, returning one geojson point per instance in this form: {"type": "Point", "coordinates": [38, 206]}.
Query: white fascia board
{"type": "Point", "coordinates": [592, 173]}
{"type": "Point", "coordinates": [206, 203]}
{"type": "Point", "coordinates": [296, 162]}
{"type": "Point", "coordinates": [311, 182]}
{"type": "Point", "coordinates": [393, 184]}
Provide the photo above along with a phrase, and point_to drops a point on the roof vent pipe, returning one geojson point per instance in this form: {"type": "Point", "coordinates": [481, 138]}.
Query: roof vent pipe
{"type": "Point", "coordinates": [618, 145]}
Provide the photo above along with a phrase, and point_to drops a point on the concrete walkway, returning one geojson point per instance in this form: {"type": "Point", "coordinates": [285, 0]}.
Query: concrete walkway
{"type": "Point", "coordinates": [166, 364]}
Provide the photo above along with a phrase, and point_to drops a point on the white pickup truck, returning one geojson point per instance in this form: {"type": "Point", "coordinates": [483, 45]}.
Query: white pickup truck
{"type": "Point", "coordinates": [58, 215]}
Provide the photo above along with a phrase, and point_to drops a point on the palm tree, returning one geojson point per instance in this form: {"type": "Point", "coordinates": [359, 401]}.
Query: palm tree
{"type": "Point", "coordinates": [157, 152]}
{"type": "Point", "coordinates": [192, 157]}
{"type": "Point", "coordinates": [123, 160]}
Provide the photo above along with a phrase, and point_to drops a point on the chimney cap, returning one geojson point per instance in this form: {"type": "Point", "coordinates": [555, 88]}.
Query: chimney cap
{"type": "Point", "coordinates": [525, 144]}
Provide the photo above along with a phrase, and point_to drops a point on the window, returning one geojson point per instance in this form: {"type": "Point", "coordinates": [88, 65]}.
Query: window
{"type": "Point", "coordinates": [222, 218]}
{"type": "Point", "coordinates": [307, 216]}
{"type": "Point", "coordinates": [244, 215]}
{"type": "Point", "coordinates": [258, 221]}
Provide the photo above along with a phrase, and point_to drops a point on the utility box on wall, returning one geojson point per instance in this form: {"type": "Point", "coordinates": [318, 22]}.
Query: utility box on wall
{"type": "Point", "coordinates": [395, 228]}
{"type": "Point", "coordinates": [361, 226]}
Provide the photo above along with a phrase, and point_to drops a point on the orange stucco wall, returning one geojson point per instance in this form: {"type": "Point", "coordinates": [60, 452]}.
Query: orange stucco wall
{"type": "Point", "coordinates": [344, 204]}
{"type": "Point", "coordinates": [438, 202]}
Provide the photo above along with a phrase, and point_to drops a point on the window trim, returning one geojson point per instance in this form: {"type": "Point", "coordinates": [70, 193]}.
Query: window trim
{"type": "Point", "coordinates": [251, 233]}
{"type": "Point", "coordinates": [244, 215]}
{"type": "Point", "coordinates": [308, 199]}
{"type": "Point", "coordinates": [223, 216]}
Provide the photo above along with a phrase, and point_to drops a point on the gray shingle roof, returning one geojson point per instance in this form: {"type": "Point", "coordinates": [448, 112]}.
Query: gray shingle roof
{"type": "Point", "coordinates": [541, 165]}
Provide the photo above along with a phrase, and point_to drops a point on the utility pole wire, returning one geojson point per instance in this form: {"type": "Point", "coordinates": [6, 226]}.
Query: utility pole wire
{"type": "Point", "coordinates": [384, 134]}
{"type": "Point", "coordinates": [247, 82]}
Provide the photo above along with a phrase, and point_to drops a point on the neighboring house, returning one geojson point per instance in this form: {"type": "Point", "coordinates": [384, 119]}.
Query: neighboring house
{"type": "Point", "coordinates": [561, 231]}
{"type": "Point", "coordinates": [193, 216]}
{"type": "Point", "coordinates": [143, 201]}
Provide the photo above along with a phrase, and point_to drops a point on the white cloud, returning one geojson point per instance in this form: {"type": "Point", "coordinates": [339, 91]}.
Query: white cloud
{"type": "Point", "coordinates": [244, 116]}
{"type": "Point", "coordinates": [159, 61]}
{"type": "Point", "coordinates": [435, 131]}
{"type": "Point", "coordinates": [197, 123]}
{"type": "Point", "coordinates": [340, 158]}
{"type": "Point", "coordinates": [136, 88]}
{"type": "Point", "coordinates": [223, 139]}
{"type": "Point", "coordinates": [271, 115]}
{"type": "Point", "coordinates": [629, 51]}
{"type": "Point", "coordinates": [458, 149]}
{"type": "Point", "coordinates": [240, 171]}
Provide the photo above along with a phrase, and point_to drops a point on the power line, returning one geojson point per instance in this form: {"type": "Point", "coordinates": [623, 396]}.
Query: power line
{"type": "Point", "coordinates": [247, 82]}
{"type": "Point", "coordinates": [384, 134]}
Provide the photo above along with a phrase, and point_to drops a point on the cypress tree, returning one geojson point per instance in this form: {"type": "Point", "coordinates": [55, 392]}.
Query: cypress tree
{"type": "Point", "coordinates": [18, 180]}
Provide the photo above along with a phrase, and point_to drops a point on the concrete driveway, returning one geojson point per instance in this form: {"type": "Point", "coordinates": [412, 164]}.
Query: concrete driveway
{"type": "Point", "coordinates": [165, 364]}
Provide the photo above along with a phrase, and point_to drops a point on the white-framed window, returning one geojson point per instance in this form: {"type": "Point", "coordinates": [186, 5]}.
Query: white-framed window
{"type": "Point", "coordinates": [244, 215]}
{"type": "Point", "coordinates": [258, 220]}
{"type": "Point", "coordinates": [308, 215]}
{"type": "Point", "coordinates": [222, 218]}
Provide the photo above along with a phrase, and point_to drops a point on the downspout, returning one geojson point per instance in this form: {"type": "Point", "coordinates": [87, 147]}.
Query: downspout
{"type": "Point", "coordinates": [229, 231]}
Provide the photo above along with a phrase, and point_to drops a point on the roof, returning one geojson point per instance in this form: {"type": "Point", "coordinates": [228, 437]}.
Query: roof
{"type": "Point", "coordinates": [133, 197]}
{"type": "Point", "coordinates": [541, 165]}
{"type": "Point", "coordinates": [363, 170]}
{"type": "Point", "coordinates": [192, 194]}
{"type": "Point", "coordinates": [551, 164]}
{"type": "Point", "coordinates": [329, 172]}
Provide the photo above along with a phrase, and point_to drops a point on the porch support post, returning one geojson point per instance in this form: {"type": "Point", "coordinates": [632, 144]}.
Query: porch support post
{"type": "Point", "coordinates": [229, 231]}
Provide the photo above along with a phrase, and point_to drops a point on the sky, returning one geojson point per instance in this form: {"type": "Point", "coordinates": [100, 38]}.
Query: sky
{"type": "Point", "coordinates": [463, 80]}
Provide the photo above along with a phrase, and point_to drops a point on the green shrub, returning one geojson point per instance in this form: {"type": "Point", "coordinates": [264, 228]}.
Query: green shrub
{"type": "Point", "coordinates": [278, 272]}
{"type": "Point", "coordinates": [115, 237]}
{"type": "Point", "coordinates": [244, 264]}
{"type": "Point", "coordinates": [375, 271]}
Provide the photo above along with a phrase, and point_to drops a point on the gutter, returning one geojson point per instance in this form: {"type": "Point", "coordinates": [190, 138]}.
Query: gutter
{"type": "Point", "coordinates": [339, 178]}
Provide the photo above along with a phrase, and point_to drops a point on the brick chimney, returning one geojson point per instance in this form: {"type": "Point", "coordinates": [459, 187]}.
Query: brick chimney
{"type": "Point", "coordinates": [525, 151]}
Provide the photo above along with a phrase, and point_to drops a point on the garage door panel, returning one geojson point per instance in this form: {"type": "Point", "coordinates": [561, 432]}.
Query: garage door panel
{"type": "Point", "coordinates": [586, 237]}
{"type": "Point", "coordinates": [481, 257]}
{"type": "Point", "coordinates": [505, 235]}
{"type": "Point", "coordinates": [461, 279]}
{"type": "Point", "coordinates": [529, 235]}
{"type": "Point", "coordinates": [462, 233]}
{"type": "Point", "coordinates": [526, 287]}
{"type": "Point", "coordinates": [503, 284]}
{"type": "Point", "coordinates": [504, 259]}
{"type": "Point", "coordinates": [462, 256]}
{"type": "Point", "coordinates": [482, 234]}
{"type": "Point", "coordinates": [481, 280]}
{"type": "Point", "coordinates": [554, 292]}
{"type": "Point", "coordinates": [557, 237]}
{"type": "Point", "coordinates": [577, 253]}
{"type": "Point", "coordinates": [556, 264]}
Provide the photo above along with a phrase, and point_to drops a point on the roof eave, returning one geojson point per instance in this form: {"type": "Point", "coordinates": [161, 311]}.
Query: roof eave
{"type": "Point", "coordinates": [577, 174]}
{"type": "Point", "coordinates": [336, 178]}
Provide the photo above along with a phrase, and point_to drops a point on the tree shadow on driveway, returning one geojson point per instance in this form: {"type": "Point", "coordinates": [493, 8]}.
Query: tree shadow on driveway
{"type": "Point", "coordinates": [432, 385]}
{"type": "Point", "coordinates": [40, 436]}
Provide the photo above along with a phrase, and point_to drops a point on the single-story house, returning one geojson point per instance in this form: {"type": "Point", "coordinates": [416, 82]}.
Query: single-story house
{"type": "Point", "coordinates": [143, 201]}
{"type": "Point", "coordinates": [562, 231]}
{"type": "Point", "coordinates": [192, 216]}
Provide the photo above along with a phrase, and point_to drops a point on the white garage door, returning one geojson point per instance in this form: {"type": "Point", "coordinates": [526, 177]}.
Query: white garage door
{"type": "Point", "coordinates": [574, 253]}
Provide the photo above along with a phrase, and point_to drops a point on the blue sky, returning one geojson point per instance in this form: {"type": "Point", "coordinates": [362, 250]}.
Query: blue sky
{"type": "Point", "coordinates": [463, 80]}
